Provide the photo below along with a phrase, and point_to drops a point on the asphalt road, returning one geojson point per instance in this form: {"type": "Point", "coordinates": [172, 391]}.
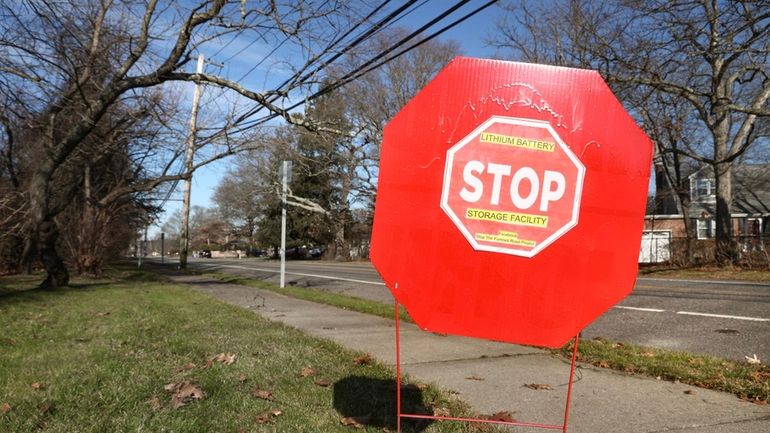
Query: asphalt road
{"type": "Point", "coordinates": [725, 319]}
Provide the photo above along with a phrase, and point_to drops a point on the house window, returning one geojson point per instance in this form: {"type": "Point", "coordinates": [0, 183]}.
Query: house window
{"type": "Point", "coordinates": [703, 188]}
{"type": "Point", "coordinates": [754, 227]}
{"type": "Point", "coordinates": [706, 228]}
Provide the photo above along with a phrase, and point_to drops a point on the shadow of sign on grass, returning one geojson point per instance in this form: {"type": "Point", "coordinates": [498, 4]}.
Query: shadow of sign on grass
{"type": "Point", "coordinates": [372, 402]}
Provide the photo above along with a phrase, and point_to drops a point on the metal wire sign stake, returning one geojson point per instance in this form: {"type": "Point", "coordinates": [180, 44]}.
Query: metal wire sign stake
{"type": "Point", "coordinates": [400, 415]}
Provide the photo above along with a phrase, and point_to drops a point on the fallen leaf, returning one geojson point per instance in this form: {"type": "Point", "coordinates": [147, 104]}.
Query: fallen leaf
{"type": "Point", "coordinates": [262, 393]}
{"type": "Point", "coordinates": [323, 382]}
{"type": "Point", "coordinates": [760, 376]}
{"type": "Point", "coordinates": [224, 358]}
{"type": "Point", "coordinates": [539, 386]}
{"type": "Point", "coordinates": [421, 386]}
{"type": "Point", "coordinates": [155, 403]}
{"type": "Point", "coordinates": [188, 366]}
{"type": "Point", "coordinates": [242, 378]}
{"type": "Point", "coordinates": [753, 360]}
{"type": "Point", "coordinates": [441, 411]}
{"type": "Point", "coordinates": [267, 415]}
{"type": "Point", "coordinates": [604, 364]}
{"type": "Point", "coordinates": [102, 314]}
{"type": "Point", "coordinates": [648, 354]}
{"type": "Point", "coordinates": [355, 421]}
{"type": "Point", "coordinates": [5, 408]}
{"type": "Point", "coordinates": [183, 393]}
{"type": "Point", "coordinates": [365, 359]}
{"type": "Point", "coordinates": [307, 371]}
{"type": "Point", "coordinates": [501, 416]}
{"type": "Point", "coordinates": [474, 378]}
{"type": "Point", "coordinates": [36, 385]}
{"type": "Point", "coordinates": [689, 392]}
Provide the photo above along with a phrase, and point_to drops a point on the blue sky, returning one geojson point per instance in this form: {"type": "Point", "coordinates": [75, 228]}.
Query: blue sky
{"type": "Point", "coordinates": [470, 35]}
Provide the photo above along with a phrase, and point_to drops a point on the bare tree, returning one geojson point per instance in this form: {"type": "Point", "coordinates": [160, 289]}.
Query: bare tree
{"type": "Point", "coordinates": [66, 64]}
{"type": "Point", "coordinates": [710, 55]}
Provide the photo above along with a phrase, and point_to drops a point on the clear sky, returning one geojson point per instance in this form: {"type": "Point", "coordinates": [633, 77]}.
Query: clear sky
{"type": "Point", "coordinates": [470, 35]}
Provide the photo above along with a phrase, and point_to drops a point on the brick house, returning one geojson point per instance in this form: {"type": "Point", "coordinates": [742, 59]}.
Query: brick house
{"type": "Point", "coordinates": [664, 226]}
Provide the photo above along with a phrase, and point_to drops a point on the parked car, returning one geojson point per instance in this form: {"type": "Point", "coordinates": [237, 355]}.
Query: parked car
{"type": "Point", "coordinates": [205, 254]}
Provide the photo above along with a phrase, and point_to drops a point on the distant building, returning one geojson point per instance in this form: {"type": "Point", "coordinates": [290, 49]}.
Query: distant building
{"type": "Point", "coordinates": [664, 223]}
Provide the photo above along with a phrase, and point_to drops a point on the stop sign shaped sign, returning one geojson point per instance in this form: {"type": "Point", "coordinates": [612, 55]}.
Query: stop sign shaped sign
{"type": "Point", "coordinates": [510, 202]}
{"type": "Point", "coordinates": [512, 186]}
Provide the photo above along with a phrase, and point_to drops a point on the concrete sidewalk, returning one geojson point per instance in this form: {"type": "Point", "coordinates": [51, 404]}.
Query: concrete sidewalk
{"type": "Point", "coordinates": [491, 376]}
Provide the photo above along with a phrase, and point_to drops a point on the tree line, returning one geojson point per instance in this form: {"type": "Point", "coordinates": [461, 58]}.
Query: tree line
{"type": "Point", "coordinates": [333, 183]}
{"type": "Point", "coordinates": [94, 108]}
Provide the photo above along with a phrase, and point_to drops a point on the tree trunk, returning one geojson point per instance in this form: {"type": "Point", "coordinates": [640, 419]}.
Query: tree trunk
{"type": "Point", "coordinates": [57, 274]}
{"type": "Point", "coordinates": [341, 247]}
{"type": "Point", "coordinates": [45, 231]}
{"type": "Point", "coordinates": [689, 229]}
{"type": "Point", "coordinates": [726, 252]}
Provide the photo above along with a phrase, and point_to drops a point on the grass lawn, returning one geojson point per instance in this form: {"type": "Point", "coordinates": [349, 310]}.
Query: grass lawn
{"type": "Point", "coordinates": [129, 354]}
{"type": "Point", "coordinates": [749, 382]}
{"type": "Point", "coordinates": [706, 273]}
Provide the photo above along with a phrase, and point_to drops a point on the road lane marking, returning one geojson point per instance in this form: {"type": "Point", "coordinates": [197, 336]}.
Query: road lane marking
{"type": "Point", "coordinates": [651, 310]}
{"type": "Point", "coordinates": [350, 280]}
{"type": "Point", "coordinates": [723, 316]}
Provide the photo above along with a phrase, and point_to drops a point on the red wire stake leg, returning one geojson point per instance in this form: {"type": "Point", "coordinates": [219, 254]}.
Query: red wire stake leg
{"type": "Point", "coordinates": [571, 381]}
{"type": "Point", "coordinates": [400, 415]}
{"type": "Point", "coordinates": [398, 373]}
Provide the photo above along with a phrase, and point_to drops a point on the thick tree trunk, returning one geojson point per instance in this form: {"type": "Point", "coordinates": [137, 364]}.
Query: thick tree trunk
{"type": "Point", "coordinates": [726, 252]}
{"type": "Point", "coordinates": [341, 247]}
{"type": "Point", "coordinates": [45, 232]}
{"type": "Point", "coordinates": [56, 271]}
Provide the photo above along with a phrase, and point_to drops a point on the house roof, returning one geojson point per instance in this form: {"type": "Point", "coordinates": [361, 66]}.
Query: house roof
{"type": "Point", "coordinates": [751, 191]}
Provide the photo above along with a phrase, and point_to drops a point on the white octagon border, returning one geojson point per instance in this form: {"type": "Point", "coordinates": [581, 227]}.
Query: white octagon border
{"type": "Point", "coordinates": [507, 250]}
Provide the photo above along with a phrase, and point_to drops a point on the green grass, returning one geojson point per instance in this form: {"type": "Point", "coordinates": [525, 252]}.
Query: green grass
{"type": "Point", "coordinates": [103, 350]}
{"type": "Point", "coordinates": [750, 382]}
{"type": "Point", "coordinates": [314, 295]}
{"type": "Point", "coordinates": [706, 273]}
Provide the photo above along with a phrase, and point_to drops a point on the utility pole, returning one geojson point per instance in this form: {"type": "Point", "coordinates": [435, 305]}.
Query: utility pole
{"type": "Point", "coordinates": [184, 242]}
{"type": "Point", "coordinates": [285, 182]}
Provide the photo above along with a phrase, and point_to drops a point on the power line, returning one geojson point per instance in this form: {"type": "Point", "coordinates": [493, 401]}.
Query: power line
{"type": "Point", "coordinates": [406, 50]}
{"type": "Point", "coordinates": [372, 64]}
{"type": "Point", "coordinates": [368, 66]}
{"type": "Point", "coordinates": [361, 38]}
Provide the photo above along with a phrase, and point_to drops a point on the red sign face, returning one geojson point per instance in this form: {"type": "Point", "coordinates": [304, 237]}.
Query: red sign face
{"type": "Point", "coordinates": [512, 186]}
{"type": "Point", "coordinates": [510, 202]}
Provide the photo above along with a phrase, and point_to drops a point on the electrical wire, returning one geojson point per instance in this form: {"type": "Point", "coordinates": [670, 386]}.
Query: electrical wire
{"type": "Point", "coordinates": [366, 67]}
{"type": "Point", "coordinates": [357, 41]}
{"type": "Point", "coordinates": [373, 64]}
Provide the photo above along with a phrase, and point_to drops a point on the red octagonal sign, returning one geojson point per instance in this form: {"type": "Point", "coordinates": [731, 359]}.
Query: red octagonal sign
{"type": "Point", "coordinates": [512, 186]}
{"type": "Point", "coordinates": [510, 202]}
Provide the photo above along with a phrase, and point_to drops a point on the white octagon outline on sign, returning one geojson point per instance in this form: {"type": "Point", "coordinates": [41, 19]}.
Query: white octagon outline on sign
{"type": "Point", "coordinates": [507, 250]}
